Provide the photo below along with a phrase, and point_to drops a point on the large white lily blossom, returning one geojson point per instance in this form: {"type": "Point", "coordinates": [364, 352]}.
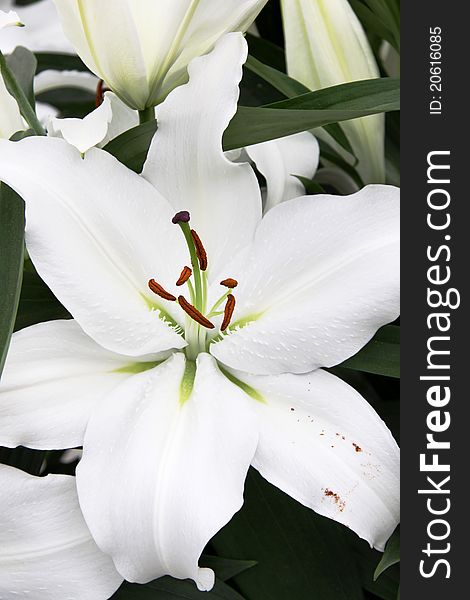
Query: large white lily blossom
{"type": "Point", "coordinates": [46, 550]}
{"type": "Point", "coordinates": [325, 46]}
{"type": "Point", "coordinates": [192, 356]}
{"type": "Point", "coordinates": [142, 48]}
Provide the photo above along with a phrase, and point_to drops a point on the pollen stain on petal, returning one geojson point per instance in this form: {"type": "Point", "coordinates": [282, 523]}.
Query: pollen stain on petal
{"type": "Point", "coordinates": [341, 504]}
{"type": "Point", "coordinates": [357, 448]}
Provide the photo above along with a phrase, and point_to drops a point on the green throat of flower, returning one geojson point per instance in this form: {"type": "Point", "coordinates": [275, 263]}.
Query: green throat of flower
{"type": "Point", "coordinates": [198, 317]}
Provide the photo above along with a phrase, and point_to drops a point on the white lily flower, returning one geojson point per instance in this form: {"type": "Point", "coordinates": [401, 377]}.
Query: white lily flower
{"type": "Point", "coordinates": [10, 19]}
{"type": "Point", "coordinates": [42, 31]}
{"type": "Point", "coordinates": [167, 442]}
{"type": "Point", "coordinates": [46, 550]}
{"type": "Point", "coordinates": [142, 48]}
{"type": "Point", "coordinates": [325, 46]}
{"type": "Point", "coordinates": [106, 122]}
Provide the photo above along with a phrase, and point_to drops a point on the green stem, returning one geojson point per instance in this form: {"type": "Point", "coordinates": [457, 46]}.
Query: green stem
{"type": "Point", "coordinates": [146, 115]}
{"type": "Point", "coordinates": [18, 94]}
{"type": "Point", "coordinates": [186, 229]}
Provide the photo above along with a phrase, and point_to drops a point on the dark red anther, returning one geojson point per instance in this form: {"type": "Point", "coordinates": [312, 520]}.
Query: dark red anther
{"type": "Point", "coordinates": [229, 283]}
{"type": "Point", "coordinates": [228, 312]}
{"type": "Point", "coordinates": [181, 217]}
{"type": "Point", "coordinates": [185, 275]}
{"type": "Point", "coordinates": [160, 291]}
{"type": "Point", "coordinates": [200, 251]}
{"type": "Point", "coordinates": [193, 312]}
{"type": "Point", "coordinates": [100, 90]}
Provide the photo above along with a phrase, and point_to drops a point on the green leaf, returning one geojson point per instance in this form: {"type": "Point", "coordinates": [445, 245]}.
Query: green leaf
{"type": "Point", "coordinates": [11, 263]}
{"type": "Point", "coordinates": [23, 65]}
{"type": "Point", "coordinates": [226, 568]}
{"type": "Point", "coordinates": [387, 586]}
{"type": "Point", "coordinates": [299, 554]}
{"type": "Point", "coordinates": [391, 556]}
{"type": "Point", "coordinates": [168, 588]}
{"type": "Point", "coordinates": [267, 52]}
{"type": "Point", "coordinates": [131, 147]}
{"type": "Point", "coordinates": [291, 88]}
{"type": "Point", "coordinates": [381, 17]}
{"type": "Point", "coordinates": [59, 62]}
{"type": "Point", "coordinates": [315, 109]}
{"type": "Point", "coordinates": [381, 355]}
{"type": "Point", "coordinates": [37, 303]}
{"type": "Point", "coordinates": [311, 187]}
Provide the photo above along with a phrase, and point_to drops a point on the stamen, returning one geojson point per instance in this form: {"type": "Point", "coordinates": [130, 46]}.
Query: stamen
{"type": "Point", "coordinates": [100, 90]}
{"type": "Point", "coordinates": [229, 283]}
{"type": "Point", "coordinates": [160, 291]}
{"type": "Point", "coordinates": [185, 275]}
{"type": "Point", "coordinates": [181, 217]}
{"type": "Point", "coordinates": [228, 312]}
{"type": "Point", "coordinates": [200, 250]}
{"type": "Point", "coordinates": [194, 313]}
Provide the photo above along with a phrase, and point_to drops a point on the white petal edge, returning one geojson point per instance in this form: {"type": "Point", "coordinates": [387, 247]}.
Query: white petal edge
{"type": "Point", "coordinates": [281, 160]}
{"type": "Point", "coordinates": [54, 377]}
{"type": "Point", "coordinates": [186, 162]}
{"type": "Point", "coordinates": [322, 277]}
{"type": "Point", "coordinates": [121, 228]}
{"type": "Point", "coordinates": [324, 445]}
{"type": "Point", "coordinates": [47, 552]}
{"type": "Point", "coordinates": [159, 478]}
{"type": "Point", "coordinates": [9, 19]}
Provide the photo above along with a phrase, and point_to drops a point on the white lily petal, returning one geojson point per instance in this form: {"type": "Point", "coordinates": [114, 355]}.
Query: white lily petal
{"type": "Point", "coordinates": [123, 118]}
{"type": "Point", "coordinates": [46, 551]}
{"type": "Point", "coordinates": [9, 19]}
{"type": "Point", "coordinates": [324, 445]}
{"type": "Point", "coordinates": [322, 278]}
{"type": "Point", "coordinates": [186, 162]}
{"type": "Point", "coordinates": [84, 133]}
{"type": "Point", "coordinates": [326, 45]}
{"type": "Point", "coordinates": [160, 477]}
{"type": "Point", "coordinates": [122, 227]}
{"type": "Point", "coordinates": [281, 160]}
{"type": "Point", "coordinates": [53, 378]}
{"type": "Point", "coordinates": [50, 79]}
{"type": "Point", "coordinates": [42, 31]}
{"type": "Point", "coordinates": [45, 112]}
{"type": "Point", "coordinates": [10, 116]}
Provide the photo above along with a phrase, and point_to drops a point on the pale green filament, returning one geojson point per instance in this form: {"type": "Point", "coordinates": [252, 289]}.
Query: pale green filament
{"type": "Point", "coordinates": [187, 383]}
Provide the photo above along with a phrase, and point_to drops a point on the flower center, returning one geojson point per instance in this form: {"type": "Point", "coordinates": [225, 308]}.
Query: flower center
{"type": "Point", "coordinates": [198, 318]}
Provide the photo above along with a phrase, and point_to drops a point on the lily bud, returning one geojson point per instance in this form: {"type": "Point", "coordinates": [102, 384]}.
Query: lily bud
{"type": "Point", "coordinates": [325, 46]}
{"type": "Point", "coordinates": [141, 48]}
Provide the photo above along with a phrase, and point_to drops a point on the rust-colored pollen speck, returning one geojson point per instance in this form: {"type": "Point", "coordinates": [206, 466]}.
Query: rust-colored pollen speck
{"type": "Point", "coordinates": [341, 504]}
{"type": "Point", "coordinates": [292, 408]}
{"type": "Point", "coordinates": [357, 448]}
{"type": "Point", "coordinates": [193, 312]}
{"type": "Point", "coordinates": [228, 312]}
{"type": "Point", "coordinates": [200, 251]}
{"type": "Point", "coordinates": [185, 275]}
{"type": "Point", "coordinates": [160, 291]}
{"type": "Point", "coordinates": [229, 283]}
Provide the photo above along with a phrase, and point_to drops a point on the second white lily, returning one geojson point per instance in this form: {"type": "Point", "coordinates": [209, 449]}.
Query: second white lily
{"type": "Point", "coordinates": [175, 387]}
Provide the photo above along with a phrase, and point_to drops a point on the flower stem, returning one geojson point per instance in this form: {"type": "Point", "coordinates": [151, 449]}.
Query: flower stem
{"type": "Point", "coordinates": [18, 94]}
{"type": "Point", "coordinates": [146, 115]}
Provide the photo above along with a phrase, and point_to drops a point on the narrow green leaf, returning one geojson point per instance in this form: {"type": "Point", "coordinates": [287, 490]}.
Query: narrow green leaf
{"type": "Point", "coordinates": [386, 587]}
{"type": "Point", "coordinates": [299, 554]}
{"type": "Point", "coordinates": [59, 62]}
{"type": "Point", "coordinates": [311, 187]}
{"type": "Point", "coordinates": [168, 588]}
{"type": "Point", "coordinates": [315, 109]}
{"type": "Point", "coordinates": [132, 146]}
{"type": "Point", "coordinates": [11, 263]}
{"type": "Point", "coordinates": [267, 52]}
{"type": "Point", "coordinates": [391, 556]}
{"type": "Point", "coordinates": [291, 88]}
{"type": "Point", "coordinates": [381, 355]}
{"type": "Point", "coordinates": [23, 65]}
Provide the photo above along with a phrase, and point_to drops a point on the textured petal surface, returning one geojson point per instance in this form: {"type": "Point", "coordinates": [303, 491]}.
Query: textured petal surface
{"type": "Point", "coordinates": [324, 445]}
{"type": "Point", "coordinates": [186, 162]}
{"type": "Point", "coordinates": [46, 551]}
{"type": "Point", "coordinates": [54, 377]}
{"type": "Point", "coordinates": [280, 160]}
{"type": "Point", "coordinates": [160, 477]}
{"type": "Point", "coordinates": [121, 227]}
{"type": "Point", "coordinates": [322, 278]}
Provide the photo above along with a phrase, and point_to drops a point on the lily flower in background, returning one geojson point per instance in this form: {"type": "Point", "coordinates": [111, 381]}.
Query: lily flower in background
{"type": "Point", "coordinates": [142, 49]}
{"type": "Point", "coordinates": [46, 550]}
{"type": "Point", "coordinates": [199, 334]}
{"type": "Point", "coordinates": [325, 46]}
